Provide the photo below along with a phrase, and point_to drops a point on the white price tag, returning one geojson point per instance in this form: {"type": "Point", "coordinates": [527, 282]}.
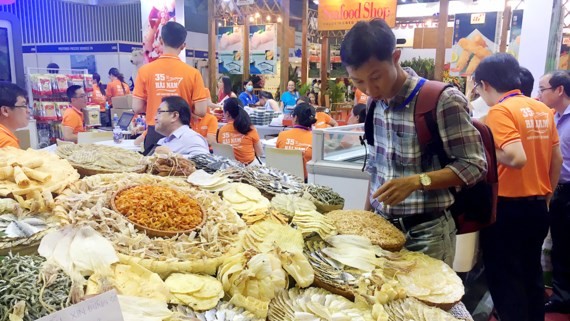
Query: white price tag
{"type": "Point", "coordinates": [104, 307]}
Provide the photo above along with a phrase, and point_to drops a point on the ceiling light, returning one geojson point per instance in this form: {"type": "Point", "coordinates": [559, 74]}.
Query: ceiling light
{"type": "Point", "coordinates": [250, 18]}
{"type": "Point", "coordinates": [279, 19]}
{"type": "Point", "coordinates": [268, 18]}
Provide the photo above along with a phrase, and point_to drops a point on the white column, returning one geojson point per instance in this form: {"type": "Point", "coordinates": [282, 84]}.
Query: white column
{"type": "Point", "coordinates": [535, 33]}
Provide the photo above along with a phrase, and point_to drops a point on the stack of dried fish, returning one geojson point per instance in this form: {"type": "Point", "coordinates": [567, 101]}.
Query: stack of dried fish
{"type": "Point", "coordinates": [20, 227]}
{"type": "Point", "coordinates": [170, 165]}
{"type": "Point", "coordinates": [324, 197]}
{"type": "Point", "coordinates": [212, 163]}
{"type": "Point", "coordinates": [90, 159]}
{"type": "Point", "coordinates": [315, 304]}
{"type": "Point", "coordinates": [268, 180]}
{"type": "Point", "coordinates": [26, 294]}
{"type": "Point", "coordinates": [223, 312]}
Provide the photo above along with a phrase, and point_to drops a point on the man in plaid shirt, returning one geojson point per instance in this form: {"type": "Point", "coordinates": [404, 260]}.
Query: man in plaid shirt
{"type": "Point", "coordinates": [407, 186]}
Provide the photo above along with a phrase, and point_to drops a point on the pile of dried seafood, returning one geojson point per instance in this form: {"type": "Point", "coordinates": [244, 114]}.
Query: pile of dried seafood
{"type": "Point", "coordinates": [26, 293]}
{"type": "Point", "coordinates": [212, 163]}
{"type": "Point", "coordinates": [88, 201]}
{"type": "Point", "coordinates": [268, 180]}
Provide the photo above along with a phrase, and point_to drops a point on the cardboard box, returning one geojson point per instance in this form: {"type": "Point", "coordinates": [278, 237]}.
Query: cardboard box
{"type": "Point", "coordinates": [91, 116]}
{"type": "Point", "coordinates": [122, 102]}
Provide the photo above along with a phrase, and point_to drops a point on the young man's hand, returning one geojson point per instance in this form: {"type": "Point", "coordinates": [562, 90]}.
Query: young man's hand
{"type": "Point", "coordinates": [395, 191]}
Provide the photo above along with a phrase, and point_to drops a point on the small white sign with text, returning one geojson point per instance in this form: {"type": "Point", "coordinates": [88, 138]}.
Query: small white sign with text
{"type": "Point", "coordinates": [103, 307]}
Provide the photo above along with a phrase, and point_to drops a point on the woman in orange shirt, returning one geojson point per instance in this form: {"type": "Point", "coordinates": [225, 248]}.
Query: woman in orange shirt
{"type": "Point", "coordinates": [301, 136]}
{"type": "Point", "coordinates": [324, 120]}
{"type": "Point", "coordinates": [239, 133]}
{"type": "Point", "coordinates": [117, 86]}
{"type": "Point", "coordinates": [206, 126]}
{"type": "Point", "coordinates": [98, 97]}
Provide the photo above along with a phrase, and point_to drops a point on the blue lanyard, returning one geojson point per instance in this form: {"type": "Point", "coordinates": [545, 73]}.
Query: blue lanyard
{"type": "Point", "coordinates": [414, 93]}
{"type": "Point", "coordinates": [509, 96]}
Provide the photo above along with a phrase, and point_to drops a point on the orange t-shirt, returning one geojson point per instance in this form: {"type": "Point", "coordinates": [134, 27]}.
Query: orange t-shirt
{"type": "Point", "coordinates": [7, 138]}
{"type": "Point", "coordinates": [168, 76]}
{"type": "Point", "coordinates": [243, 145]}
{"type": "Point", "coordinates": [519, 118]}
{"type": "Point", "coordinates": [323, 120]}
{"type": "Point", "coordinates": [98, 98]}
{"type": "Point", "coordinates": [298, 139]}
{"type": "Point", "coordinates": [114, 89]}
{"type": "Point", "coordinates": [73, 118]}
{"type": "Point", "coordinates": [361, 98]}
{"type": "Point", "coordinates": [204, 125]}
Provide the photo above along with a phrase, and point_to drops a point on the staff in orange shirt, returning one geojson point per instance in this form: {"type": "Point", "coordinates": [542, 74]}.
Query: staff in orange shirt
{"type": "Point", "coordinates": [360, 97]}
{"type": "Point", "coordinates": [324, 120]}
{"type": "Point", "coordinates": [529, 162]}
{"type": "Point", "coordinates": [117, 87]}
{"type": "Point", "coordinates": [98, 97]}
{"type": "Point", "coordinates": [73, 116]}
{"type": "Point", "coordinates": [168, 76]}
{"type": "Point", "coordinates": [14, 113]}
{"type": "Point", "coordinates": [301, 136]}
{"type": "Point", "coordinates": [206, 126]}
{"type": "Point", "coordinates": [240, 133]}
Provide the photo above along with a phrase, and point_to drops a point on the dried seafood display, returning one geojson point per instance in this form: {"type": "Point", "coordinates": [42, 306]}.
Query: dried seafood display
{"type": "Point", "coordinates": [170, 165]}
{"type": "Point", "coordinates": [309, 222]}
{"type": "Point", "coordinates": [268, 180]}
{"type": "Point", "coordinates": [20, 227]}
{"type": "Point", "coordinates": [26, 293]}
{"type": "Point", "coordinates": [324, 197]}
{"type": "Point", "coordinates": [31, 176]}
{"type": "Point", "coordinates": [132, 280]}
{"type": "Point", "coordinates": [267, 236]}
{"type": "Point", "coordinates": [289, 204]}
{"type": "Point", "coordinates": [224, 311]}
{"type": "Point", "coordinates": [368, 224]}
{"type": "Point", "coordinates": [245, 198]}
{"type": "Point", "coordinates": [211, 182]}
{"type": "Point", "coordinates": [90, 159]}
{"type": "Point", "coordinates": [159, 208]}
{"type": "Point", "coordinates": [354, 266]}
{"type": "Point", "coordinates": [253, 279]}
{"type": "Point", "coordinates": [261, 215]}
{"type": "Point", "coordinates": [213, 163]}
{"type": "Point", "coordinates": [88, 202]}
{"type": "Point", "coordinates": [199, 292]}
{"type": "Point", "coordinates": [315, 304]}
{"type": "Point", "coordinates": [412, 309]}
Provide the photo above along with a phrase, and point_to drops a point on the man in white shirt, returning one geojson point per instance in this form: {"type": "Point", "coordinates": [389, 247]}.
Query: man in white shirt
{"type": "Point", "coordinates": [173, 120]}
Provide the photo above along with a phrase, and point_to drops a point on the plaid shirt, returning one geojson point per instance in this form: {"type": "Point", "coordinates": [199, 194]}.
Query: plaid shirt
{"type": "Point", "coordinates": [396, 151]}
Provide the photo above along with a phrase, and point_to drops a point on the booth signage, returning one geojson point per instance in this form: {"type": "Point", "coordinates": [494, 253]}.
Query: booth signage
{"type": "Point", "coordinates": [244, 2]}
{"type": "Point", "coordinates": [343, 14]}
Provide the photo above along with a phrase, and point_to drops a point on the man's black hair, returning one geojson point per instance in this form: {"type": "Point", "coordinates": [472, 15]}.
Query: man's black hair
{"type": "Point", "coordinates": [560, 78]}
{"type": "Point", "coordinates": [71, 91]}
{"type": "Point", "coordinates": [367, 39]}
{"type": "Point", "coordinates": [179, 105]}
{"type": "Point", "coordinates": [527, 81]}
{"type": "Point", "coordinates": [173, 34]}
{"type": "Point", "coordinates": [501, 71]}
{"type": "Point", "coordinates": [9, 94]}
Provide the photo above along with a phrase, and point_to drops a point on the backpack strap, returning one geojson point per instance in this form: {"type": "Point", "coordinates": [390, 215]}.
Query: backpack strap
{"type": "Point", "coordinates": [425, 119]}
{"type": "Point", "coordinates": [369, 121]}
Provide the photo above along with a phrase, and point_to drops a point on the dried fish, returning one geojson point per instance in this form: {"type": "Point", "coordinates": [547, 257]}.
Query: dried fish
{"type": "Point", "coordinates": [213, 163]}
{"type": "Point", "coordinates": [223, 312]}
{"type": "Point", "coordinates": [21, 280]}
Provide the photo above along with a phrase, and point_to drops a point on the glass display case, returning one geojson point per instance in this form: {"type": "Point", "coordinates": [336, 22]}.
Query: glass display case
{"type": "Point", "coordinates": [339, 156]}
